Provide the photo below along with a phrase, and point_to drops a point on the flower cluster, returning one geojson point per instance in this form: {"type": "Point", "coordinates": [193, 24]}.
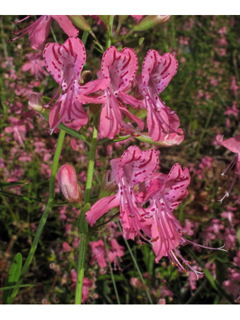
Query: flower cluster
{"type": "Point", "coordinates": [147, 199]}
{"type": "Point", "coordinates": [117, 78]}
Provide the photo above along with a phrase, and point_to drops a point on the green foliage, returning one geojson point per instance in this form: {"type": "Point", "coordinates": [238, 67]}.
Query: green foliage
{"type": "Point", "coordinates": [13, 276]}
{"type": "Point", "coordinates": [24, 184]}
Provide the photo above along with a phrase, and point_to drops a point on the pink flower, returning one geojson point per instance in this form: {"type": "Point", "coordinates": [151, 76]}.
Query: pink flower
{"type": "Point", "coordinates": [217, 225]}
{"type": "Point", "coordinates": [65, 63]}
{"type": "Point", "coordinates": [18, 129]}
{"type": "Point", "coordinates": [137, 17]}
{"type": "Point", "coordinates": [35, 65]}
{"type": "Point", "coordinates": [230, 237]}
{"type": "Point", "coordinates": [223, 41]}
{"type": "Point", "coordinates": [228, 123]}
{"type": "Point", "coordinates": [132, 168]}
{"type": "Point", "coordinates": [237, 259]}
{"type": "Point", "coordinates": [116, 251]}
{"type": "Point", "coordinates": [136, 283]}
{"type": "Point", "coordinates": [165, 292]}
{"type": "Point", "coordinates": [66, 247]}
{"type": "Point", "coordinates": [184, 41]}
{"type": "Point", "coordinates": [213, 81]}
{"type": "Point", "coordinates": [2, 163]}
{"type": "Point", "coordinates": [165, 193]}
{"type": "Point", "coordinates": [193, 277]}
{"type": "Point", "coordinates": [120, 68]}
{"type": "Point", "coordinates": [99, 253]}
{"type": "Point", "coordinates": [39, 30]}
{"type": "Point", "coordinates": [232, 144]}
{"type": "Point", "coordinates": [139, 185]}
{"type": "Point", "coordinates": [229, 214]}
{"type": "Point", "coordinates": [67, 180]}
{"type": "Point", "coordinates": [157, 72]}
{"type": "Point", "coordinates": [222, 51]}
{"type": "Point", "coordinates": [232, 110]}
{"type": "Point", "coordinates": [222, 30]}
{"type": "Point", "coordinates": [234, 86]}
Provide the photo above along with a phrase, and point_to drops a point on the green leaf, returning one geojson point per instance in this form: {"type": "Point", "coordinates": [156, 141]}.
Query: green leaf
{"type": "Point", "coordinates": [13, 276]}
{"type": "Point", "coordinates": [221, 266]}
{"type": "Point", "coordinates": [12, 287]}
{"type": "Point", "coordinates": [140, 41]}
{"type": "Point", "coordinates": [210, 278]}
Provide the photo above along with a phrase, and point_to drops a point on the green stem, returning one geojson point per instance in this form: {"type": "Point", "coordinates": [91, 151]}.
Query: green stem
{"type": "Point", "coordinates": [44, 216]}
{"type": "Point", "coordinates": [109, 34]}
{"type": "Point", "coordinates": [135, 263]}
{"type": "Point", "coordinates": [54, 36]}
{"type": "Point", "coordinates": [204, 130]}
{"type": "Point", "coordinates": [92, 152]}
{"type": "Point", "coordinates": [83, 243]}
{"type": "Point", "coordinates": [80, 274]}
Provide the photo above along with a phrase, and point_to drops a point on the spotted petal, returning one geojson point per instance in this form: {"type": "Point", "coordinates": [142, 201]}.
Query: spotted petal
{"type": "Point", "coordinates": [158, 69]}
{"type": "Point", "coordinates": [65, 62]}
{"type": "Point", "coordinates": [175, 189]}
{"type": "Point", "coordinates": [120, 67]}
{"type": "Point", "coordinates": [137, 165]}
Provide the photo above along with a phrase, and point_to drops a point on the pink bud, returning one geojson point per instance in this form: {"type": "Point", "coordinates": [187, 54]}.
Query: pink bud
{"type": "Point", "coordinates": [67, 180]}
{"type": "Point", "coordinates": [36, 103]}
{"type": "Point", "coordinates": [136, 283]}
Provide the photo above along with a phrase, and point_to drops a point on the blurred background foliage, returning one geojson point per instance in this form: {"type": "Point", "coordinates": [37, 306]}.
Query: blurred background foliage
{"type": "Point", "coordinates": [204, 88]}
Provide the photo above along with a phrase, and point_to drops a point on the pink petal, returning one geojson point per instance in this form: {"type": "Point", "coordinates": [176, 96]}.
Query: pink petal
{"type": "Point", "coordinates": [39, 33]}
{"type": "Point", "coordinates": [132, 117]}
{"type": "Point", "coordinates": [160, 69]}
{"type": "Point", "coordinates": [137, 165]}
{"type": "Point", "coordinates": [110, 120]}
{"type": "Point", "coordinates": [137, 17]}
{"type": "Point", "coordinates": [120, 67]}
{"type": "Point", "coordinates": [8, 130]}
{"type": "Point", "coordinates": [95, 85]}
{"type": "Point", "coordinates": [66, 24]}
{"type": "Point", "coordinates": [160, 119]}
{"type": "Point", "coordinates": [26, 66]}
{"type": "Point", "coordinates": [166, 234]}
{"type": "Point", "coordinates": [65, 62]}
{"type": "Point", "coordinates": [176, 185]}
{"type": "Point", "coordinates": [126, 98]}
{"type": "Point", "coordinates": [54, 115]}
{"type": "Point", "coordinates": [100, 207]}
{"type": "Point", "coordinates": [232, 144]}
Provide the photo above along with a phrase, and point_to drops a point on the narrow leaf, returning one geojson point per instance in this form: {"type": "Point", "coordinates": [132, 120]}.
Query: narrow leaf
{"type": "Point", "coordinates": [13, 276]}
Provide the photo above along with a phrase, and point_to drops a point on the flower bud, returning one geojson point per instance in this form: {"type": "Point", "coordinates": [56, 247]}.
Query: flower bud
{"type": "Point", "coordinates": [67, 180]}
{"type": "Point", "coordinates": [150, 22]}
{"type": "Point", "coordinates": [104, 18]}
{"type": "Point", "coordinates": [122, 18]}
{"type": "Point", "coordinates": [80, 22]}
{"type": "Point", "coordinates": [36, 102]}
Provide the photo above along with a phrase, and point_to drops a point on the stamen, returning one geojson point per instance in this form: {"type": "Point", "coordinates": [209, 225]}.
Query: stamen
{"type": "Point", "coordinates": [21, 20]}
{"type": "Point", "coordinates": [234, 160]}
{"type": "Point", "coordinates": [205, 247]}
{"type": "Point", "coordinates": [226, 195]}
